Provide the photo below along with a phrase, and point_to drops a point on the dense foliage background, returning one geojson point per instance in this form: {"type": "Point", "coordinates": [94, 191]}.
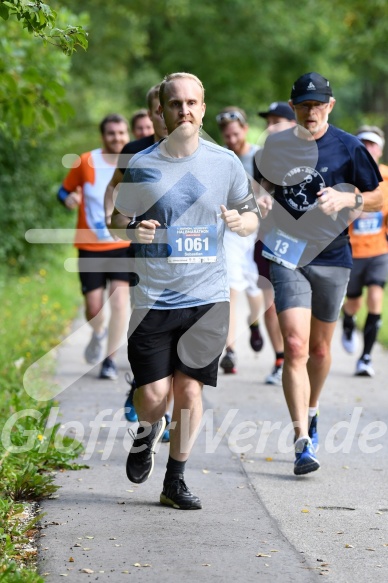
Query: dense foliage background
{"type": "Point", "coordinates": [64, 64]}
{"type": "Point", "coordinates": [247, 53]}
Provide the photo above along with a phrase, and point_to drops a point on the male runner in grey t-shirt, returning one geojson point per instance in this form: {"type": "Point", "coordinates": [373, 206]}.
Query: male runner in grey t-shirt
{"type": "Point", "coordinates": [171, 202]}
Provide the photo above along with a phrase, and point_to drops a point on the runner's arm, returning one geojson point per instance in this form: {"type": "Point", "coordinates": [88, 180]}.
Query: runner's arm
{"type": "Point", "coordinates": [130, 230]}
{"type": "Point", "coordinates": [118, 225]}
{"type": "Point", "coordinates": [243, 224]}
{"type": "Point", "coordinates": [109, 198]}
{"type": "Point", "coordinates": [264, 199]}
{"type": "Point", "coordinates": [330, 202]}
{"type": "Point", "coordinates": [70, 200]}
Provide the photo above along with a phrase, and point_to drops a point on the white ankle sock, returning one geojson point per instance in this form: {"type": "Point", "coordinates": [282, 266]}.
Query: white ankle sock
{"type": "Point", "coordinates": [300, 443]}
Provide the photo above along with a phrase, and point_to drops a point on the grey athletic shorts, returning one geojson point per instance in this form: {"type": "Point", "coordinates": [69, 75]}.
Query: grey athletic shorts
{"type": "Point", "coordinates": [367, 271]}
{"type": "Point", "coordinates": [320, 288]}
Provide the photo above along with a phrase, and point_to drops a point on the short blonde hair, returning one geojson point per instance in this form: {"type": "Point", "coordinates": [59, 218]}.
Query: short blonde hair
{"type": "Point", "coordinates": [182, 75]}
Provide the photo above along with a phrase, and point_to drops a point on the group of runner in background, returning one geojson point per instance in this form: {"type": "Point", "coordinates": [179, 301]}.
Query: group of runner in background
{"type": "Point", "coordinates": [248, 270]}
{"type": "Point", "coordinates": [251, 266]}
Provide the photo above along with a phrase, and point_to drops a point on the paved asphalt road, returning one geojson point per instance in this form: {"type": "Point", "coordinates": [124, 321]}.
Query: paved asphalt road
{"type": "Point", "coordinates": [259, 523]}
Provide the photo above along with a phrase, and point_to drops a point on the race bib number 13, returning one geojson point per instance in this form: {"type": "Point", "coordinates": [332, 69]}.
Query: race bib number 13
{"type": "Point", "coordinates": [283, 248]}
{"type": "Point", "coordinates": [192, 244]}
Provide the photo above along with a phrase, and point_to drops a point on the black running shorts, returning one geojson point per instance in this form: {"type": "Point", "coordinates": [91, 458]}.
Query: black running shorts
{"type": "Point", "coordinates": [105, 268]}
{"type": "Point", "coordinates": [190, 340]}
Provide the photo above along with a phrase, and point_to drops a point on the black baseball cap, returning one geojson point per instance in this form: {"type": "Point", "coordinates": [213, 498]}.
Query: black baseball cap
{"type": "Point", "coordinates": [311, 86]}
{"type": "Point", "coordinates": [280, 109]}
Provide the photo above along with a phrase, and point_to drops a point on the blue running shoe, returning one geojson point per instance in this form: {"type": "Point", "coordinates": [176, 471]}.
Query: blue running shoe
{"type": "Point", "coordinates": [313, 432]}
{"type": "Point", "coordinates": [305, 460]}
{"type": "Point", "coordinates": [129, 409]}
{"type": "Point", "coordinates": [166, 432]}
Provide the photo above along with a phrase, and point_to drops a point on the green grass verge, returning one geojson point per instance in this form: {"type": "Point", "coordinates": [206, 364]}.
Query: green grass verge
{"type": "Point", "coordinates": [37, 309]}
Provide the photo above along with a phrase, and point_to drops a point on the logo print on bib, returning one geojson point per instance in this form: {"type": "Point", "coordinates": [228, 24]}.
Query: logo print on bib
{"type": "Point", "coordinates": [300, 187]}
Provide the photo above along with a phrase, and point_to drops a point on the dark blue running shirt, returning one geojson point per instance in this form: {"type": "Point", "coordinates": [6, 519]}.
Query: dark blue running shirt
{"type": "Point", "coordinates": [298, 169]}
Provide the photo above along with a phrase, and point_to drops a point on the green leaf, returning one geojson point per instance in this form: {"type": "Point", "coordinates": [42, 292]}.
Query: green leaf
{"type": "Point", "coordinates": [56, 88]}
{"type": "Point", "coordinates": [55, 31]}
{"type": "Point", "coordinates": [48, 118]}
{"type": "Point", "coordinates": [28, 115]}
{"type": "Point", "coordinates": [10, 82]}
{"type": "Point", "coordinates": [32, 75]}
{"type": "Point", "coordinates": [65, 111]}
{"type": "Point", "coordinates": [49, 96]}
{"type": "Point", "coordinates": [42, 19]}
{"type": "Point", "coordinates": [4, 13]}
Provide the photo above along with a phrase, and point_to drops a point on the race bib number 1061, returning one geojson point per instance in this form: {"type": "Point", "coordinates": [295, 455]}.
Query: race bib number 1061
{"type": "Point", "coordinates": [192, 244]}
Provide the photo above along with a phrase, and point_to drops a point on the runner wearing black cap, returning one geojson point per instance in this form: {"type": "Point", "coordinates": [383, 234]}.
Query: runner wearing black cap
{"type": "Point", "coordinates": [279, 112]}
{"type": "Point", "coordinates": [316, 173]}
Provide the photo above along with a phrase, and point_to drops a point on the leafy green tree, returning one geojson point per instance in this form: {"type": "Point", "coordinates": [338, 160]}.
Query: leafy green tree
{"type": "Point", "coordinates": [363, 43]}
{"type": "Point", "coordinates": [33, 87]}
{"type": "Point", "coordinates": [33, 101]}
{"type": "Point", "coordinates": [247, 53]}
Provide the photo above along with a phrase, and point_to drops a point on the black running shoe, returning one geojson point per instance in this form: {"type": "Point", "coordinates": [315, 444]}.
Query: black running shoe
{"type": "Point", "coordinates": [256, 340]}
{"type": "Point", "coordinates": [176, 494]}
{"type": "Point", "coordinates": [140, 461]}
{"type": "Point", "coordinates": [228, 362]}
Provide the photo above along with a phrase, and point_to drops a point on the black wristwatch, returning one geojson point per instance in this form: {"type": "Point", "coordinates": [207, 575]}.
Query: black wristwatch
{"type": "Point", "coordinates": [133, 224]}
{"type": "Point", "coordinates": [359, 201]}
{"type": "Point", "coordinates": [130, 227]}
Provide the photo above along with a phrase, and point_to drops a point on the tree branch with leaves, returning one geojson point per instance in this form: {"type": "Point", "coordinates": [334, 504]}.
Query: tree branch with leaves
{"type": "Point", "coordinates": [39, 19]}
{"type": "Point", "coordinates": [34, 79]}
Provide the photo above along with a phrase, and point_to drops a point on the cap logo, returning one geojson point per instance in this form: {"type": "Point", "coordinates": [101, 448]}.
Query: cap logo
{"type": "Point", "coordinates": [311, 86]}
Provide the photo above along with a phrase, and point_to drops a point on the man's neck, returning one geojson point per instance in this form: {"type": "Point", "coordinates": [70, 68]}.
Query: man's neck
{"type": "Point", "coordinates": [110, 157]}
{"type": "Point", "coordinates": [303, 133]}
{"type": "Point", "coordinates": [244, 149]}
{"type": "Point", "coordinates": [320, 133]}
{"type": "Point", "coordinates": [181, 148]}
